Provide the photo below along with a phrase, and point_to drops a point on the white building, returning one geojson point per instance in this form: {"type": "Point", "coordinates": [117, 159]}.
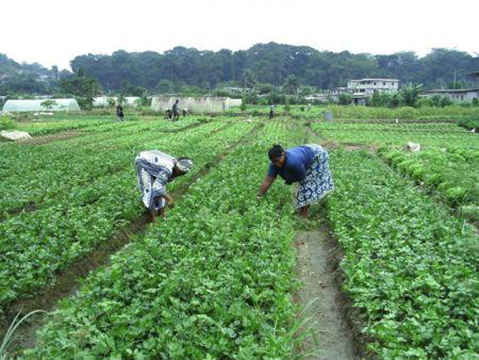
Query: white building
{"type": "Point", "coordinates": [456, 95]}
{"type": "Point", "coordinates": [364, 88]}
{"type": "Point", "coordinates": [369, 86]}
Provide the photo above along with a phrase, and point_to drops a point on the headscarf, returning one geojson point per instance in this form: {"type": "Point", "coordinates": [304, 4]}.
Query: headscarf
{"type": "Point", "coordinates": [184, 164]}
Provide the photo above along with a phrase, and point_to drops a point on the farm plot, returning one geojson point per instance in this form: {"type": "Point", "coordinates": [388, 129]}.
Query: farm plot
{"type": "Point", "coordinates": [69, 223]}
{"type": "Point", "coordinates": [215, 281]}
{"type": "Point", "coordinates": [443, 135]}
{"type": "Point", "coordinates": [77, 158]}
{"type": "Point", "coordinates": [453, 173]}
{"type": "Point", "coordinates": [409, 265]}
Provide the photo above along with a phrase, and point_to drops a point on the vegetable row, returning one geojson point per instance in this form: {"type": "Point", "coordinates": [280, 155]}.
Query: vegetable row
{"type": "Point", "coordinates": [212, 281]}
{"type": "Point", "coordinates": [35, 245]}
{"type": "Point", "coordinates": [409, 265]}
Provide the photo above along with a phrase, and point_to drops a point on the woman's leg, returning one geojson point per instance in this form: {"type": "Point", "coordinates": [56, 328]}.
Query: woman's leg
{"type": "Point", "coordinates": [162, 212]}
{"type": "Point", "coordinates": [303, 211]}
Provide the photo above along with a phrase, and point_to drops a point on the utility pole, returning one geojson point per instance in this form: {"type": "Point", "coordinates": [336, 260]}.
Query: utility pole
{"type": "Point", "coordinates": [454, 84]}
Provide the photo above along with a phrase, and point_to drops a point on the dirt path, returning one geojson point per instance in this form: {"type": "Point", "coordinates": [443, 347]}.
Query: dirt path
{"type": "Point", "coordinates": [333, 338]}
{"type": "Point", "coordinates": [44, 139]}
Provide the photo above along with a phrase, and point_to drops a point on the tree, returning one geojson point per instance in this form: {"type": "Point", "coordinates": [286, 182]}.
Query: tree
{"type": "Point", "coordinates": [291, 85]}
{"type": "Point", "coordinates": [83, 87]}
{"type": "Point", "coordinates": [345, 99]}
{"type": "Point", "coordinates": [287, 107]}
{"type": "Point", "coordinates": [410, 94]}
{"type": "Point", "coordinates": [166, 86]}
{"type": "Point", "coordinates": [48, 104]}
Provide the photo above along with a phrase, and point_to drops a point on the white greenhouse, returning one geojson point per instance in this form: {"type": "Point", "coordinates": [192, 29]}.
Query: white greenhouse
{"type": "Point", "coordinates": [110, 101]}
{"type": "Point", "coordinates": [41, 105]}
{"type": "Point", "coordinates": [196, 105]}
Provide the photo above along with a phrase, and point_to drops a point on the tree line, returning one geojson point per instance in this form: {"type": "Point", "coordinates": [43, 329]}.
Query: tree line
{"type": "Point", "coordinates": [189, 70]}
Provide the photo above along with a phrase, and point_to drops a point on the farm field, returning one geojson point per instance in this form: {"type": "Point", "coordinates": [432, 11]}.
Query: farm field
{"type": "Point", "coordinates": [217, 277]}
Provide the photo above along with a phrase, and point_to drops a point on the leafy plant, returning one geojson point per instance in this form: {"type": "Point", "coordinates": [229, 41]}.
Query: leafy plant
{"type": "Point", "coordinates": [7, 123]}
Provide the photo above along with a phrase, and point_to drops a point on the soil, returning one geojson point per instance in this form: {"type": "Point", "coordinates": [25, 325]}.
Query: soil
{"type": "Point", "coordinates": [332, 337]}
{"type": "Point", "coordinates": [332, 331]}
{"type": "Point", "coordinates": [39, 140]}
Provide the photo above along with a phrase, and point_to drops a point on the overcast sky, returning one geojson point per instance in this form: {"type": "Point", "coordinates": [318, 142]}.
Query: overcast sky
{"type": "Point", "coordinates": [55, 31]}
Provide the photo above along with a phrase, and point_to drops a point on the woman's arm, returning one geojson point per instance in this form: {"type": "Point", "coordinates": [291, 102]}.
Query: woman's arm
{"type": "Point", "coordinates": [265, 185]}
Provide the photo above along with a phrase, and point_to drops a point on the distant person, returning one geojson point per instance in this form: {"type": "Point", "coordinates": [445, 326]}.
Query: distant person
{"type": "Point", "coordinates": [119, 112]}
{"type": "Point", "coordinates": [155, 169]}
{"type": "Point", "coordinates": [309, 107]}
{"type": "Point", "coordinates": [175, 110]}
{"type": "Point", "coordinates": [308, 165]}
{"type": "Point", "coordinates": [271, 111]}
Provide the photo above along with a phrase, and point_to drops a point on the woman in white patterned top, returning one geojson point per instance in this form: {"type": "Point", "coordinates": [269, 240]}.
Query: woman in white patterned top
{"type": "Point", "coordinates": [155, 169]}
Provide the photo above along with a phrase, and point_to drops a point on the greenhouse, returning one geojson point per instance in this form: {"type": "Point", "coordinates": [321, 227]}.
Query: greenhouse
{"type": "Point", "coordinates": [111, 101]}
{"type": "Point", "coordinates": [41, 105]}
{"type": "Point", "coordinates": [196, 105]}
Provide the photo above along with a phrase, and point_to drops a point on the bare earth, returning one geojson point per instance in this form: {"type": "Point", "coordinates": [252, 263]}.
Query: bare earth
{"type": "Point", "coordinates": [334, 339]}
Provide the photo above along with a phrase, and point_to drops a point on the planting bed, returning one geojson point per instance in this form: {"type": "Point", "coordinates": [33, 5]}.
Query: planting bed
{"type": "Point", "coordinates": [217, 279]}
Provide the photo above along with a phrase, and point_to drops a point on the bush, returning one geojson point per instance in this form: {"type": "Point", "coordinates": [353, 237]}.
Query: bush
{"type": "Point", "coordinates": [287, 107]}
{"type": "Point", "coordinates": [469, 122]}
{"type": "Point", "coordinates": [85, 103]}
{"type": "Point", "coordinates": [7, 123]}
{"type": "Point", "coordinates": [455, 195]}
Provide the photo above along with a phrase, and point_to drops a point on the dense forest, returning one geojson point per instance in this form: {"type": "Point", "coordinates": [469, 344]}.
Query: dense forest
{"type": "Point", "coordinates": [263, 64]}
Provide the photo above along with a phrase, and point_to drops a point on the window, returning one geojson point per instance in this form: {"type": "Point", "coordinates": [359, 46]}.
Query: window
{"type": "Point", "coordinates": [375, 83]}
{"type": "Point", "coordinates": [462, 97]}
{"type": "Point", "coordinates": [384, 83]}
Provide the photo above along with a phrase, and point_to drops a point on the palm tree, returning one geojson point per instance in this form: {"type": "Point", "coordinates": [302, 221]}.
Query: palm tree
{"type": "Point", "coordinates": [410, 93]}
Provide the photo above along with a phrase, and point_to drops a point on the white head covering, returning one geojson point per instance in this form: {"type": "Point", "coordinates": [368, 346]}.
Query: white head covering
{"type": "Point", "coordinates": [184, 164]}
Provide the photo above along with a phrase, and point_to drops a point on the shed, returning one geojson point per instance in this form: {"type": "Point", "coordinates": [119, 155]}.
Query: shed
{"type": "Point", "coordinates": [36, 105]}
{"type": "Point", "coordinates": [455, 94]}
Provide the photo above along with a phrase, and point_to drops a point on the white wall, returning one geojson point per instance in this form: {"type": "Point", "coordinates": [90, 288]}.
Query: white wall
{"type": "Point", "coordinates": [195, 105]}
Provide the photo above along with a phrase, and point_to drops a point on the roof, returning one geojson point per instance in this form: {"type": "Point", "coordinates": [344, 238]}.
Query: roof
{"type": "Point", "coordinates": [371, 79]}
{"type": "Point", "coordinates": [451, 90]}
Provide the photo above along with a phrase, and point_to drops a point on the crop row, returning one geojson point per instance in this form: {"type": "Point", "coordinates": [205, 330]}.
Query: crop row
{"type": "Point", "coordinates": [363, 112]}
{"type": "Point", "coordinates": [453, 174]}
{"type": "Point", "coordinates": [36, 128]}
{"type": "Point", "coordinates": [399, 127]}
{"type": "Point", "coordinates": [44, 126]}
{"type": "Point", "coordinates": [96, 135]}
{"type": "Point", "coordinates": [212, 281]}
{"type": "Point", "coordinates": [463, 139]}
{"type": "Point", "coordinates": [409, 265]}
{"type": "Point", "coordinates": [36, 245]}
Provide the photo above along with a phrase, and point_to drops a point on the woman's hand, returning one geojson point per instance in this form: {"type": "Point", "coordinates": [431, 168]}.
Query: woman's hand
{"type": "Point", "coordinates": [265, 185]}
{"type": "Point", "coordinates": [169, 200]}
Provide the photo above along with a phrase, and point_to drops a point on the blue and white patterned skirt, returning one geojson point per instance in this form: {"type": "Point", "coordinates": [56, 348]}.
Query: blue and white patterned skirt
{"type": "Point", "coordinates": [318, 181]}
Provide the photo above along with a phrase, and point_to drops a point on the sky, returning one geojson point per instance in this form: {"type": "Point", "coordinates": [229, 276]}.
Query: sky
{"type": "Point", "coordinates": [53, 32]}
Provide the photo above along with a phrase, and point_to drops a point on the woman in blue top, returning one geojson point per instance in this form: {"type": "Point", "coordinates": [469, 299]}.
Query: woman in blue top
{"type": "Point", "coordinates": [155, 169]}
{"type": "Point", "coordinates": [307, 165]}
